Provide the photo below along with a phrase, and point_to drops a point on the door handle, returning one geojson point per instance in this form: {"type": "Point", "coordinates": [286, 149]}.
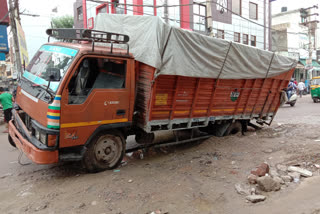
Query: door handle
{"type": "Point", "coordinates": [121, 112]}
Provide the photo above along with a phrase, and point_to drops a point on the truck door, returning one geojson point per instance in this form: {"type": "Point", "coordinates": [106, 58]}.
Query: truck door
{"type": "Point", "coordinates": [98, 93]}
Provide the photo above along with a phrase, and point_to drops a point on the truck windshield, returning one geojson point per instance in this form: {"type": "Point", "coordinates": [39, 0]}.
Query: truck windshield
{"type": "Point", "coordinates": [315, 82]}
{"type": "Point", "coordinates": [49, 56]}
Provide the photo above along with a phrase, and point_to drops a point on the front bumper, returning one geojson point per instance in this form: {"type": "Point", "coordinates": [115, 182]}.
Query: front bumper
{"type": "Point", "coordinates": [22, 140]}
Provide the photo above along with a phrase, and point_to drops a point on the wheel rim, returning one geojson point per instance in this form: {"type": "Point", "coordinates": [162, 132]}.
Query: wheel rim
{"type": "Point", "coordinates": [108, 149]}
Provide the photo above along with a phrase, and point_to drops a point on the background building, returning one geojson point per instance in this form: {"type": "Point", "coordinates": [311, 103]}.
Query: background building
{"type": "Point", "coordinates": [243, 21]}
{"type": "Point", "coordinates": [295, 35]}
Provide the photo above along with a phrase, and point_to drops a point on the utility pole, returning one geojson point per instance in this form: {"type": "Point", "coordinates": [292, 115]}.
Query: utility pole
{"type": "Point", "coordinates": [209, 17]}
{"type": "Point", "coordinates": [166, 13]}
{"type": "Point", "coordinates": [312, 25]}
{"type": "Point", "coordinates": [13, 14]}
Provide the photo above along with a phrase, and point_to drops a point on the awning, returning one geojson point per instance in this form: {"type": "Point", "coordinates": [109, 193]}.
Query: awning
{"type": "Point", "coordinates": [314, 63]}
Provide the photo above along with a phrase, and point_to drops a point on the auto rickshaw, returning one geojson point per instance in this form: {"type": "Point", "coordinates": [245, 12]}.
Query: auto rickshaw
{"type": "Point", "coordinates": [315, 89]}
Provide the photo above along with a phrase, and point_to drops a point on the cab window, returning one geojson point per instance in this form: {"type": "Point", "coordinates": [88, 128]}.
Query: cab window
{"type": "Point", "coordinates": [96, 73]}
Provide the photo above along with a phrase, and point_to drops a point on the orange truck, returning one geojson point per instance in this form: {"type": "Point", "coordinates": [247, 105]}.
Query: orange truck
{"type": "Point", "coordinates": [80, 101]}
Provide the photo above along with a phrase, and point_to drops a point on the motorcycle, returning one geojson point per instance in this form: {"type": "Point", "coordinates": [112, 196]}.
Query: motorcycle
{"type": "Point", "coordinates": [293, 98]}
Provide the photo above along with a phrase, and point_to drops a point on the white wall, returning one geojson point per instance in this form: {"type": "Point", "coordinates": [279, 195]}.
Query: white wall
{"type": "Point", "coordinates": [243, 26]}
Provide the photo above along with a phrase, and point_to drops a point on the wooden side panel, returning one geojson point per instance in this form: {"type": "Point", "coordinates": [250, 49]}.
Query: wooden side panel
{"type": "Point", "coordinates": [176, 97]}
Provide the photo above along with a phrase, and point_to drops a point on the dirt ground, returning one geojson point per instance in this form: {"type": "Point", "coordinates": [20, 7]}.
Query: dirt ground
{"type": "Point", "coordinates": [194, 178]}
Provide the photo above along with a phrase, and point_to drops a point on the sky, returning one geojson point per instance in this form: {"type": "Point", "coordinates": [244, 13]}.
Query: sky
{"type": "Point", "coordinates": [34, 27]}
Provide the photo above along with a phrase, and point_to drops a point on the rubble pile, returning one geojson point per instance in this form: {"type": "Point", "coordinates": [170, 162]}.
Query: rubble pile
{"type": "Point", "coordinates": [264, 179]}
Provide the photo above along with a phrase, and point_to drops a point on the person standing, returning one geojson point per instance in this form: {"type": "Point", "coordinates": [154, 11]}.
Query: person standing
{"type": "Point", "coordinates": [6, 100]}
{"type": "Point", "coordinates": [301, 87]}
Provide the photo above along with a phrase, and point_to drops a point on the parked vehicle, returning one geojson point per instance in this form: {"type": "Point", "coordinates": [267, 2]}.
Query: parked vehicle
{"type": "Point", "coordinates": [80, 101]}
{"type": "Point", "coordinates": [315, 89]}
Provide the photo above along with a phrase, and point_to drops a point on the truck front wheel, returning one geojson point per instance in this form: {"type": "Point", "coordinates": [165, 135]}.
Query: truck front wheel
{"type": "Point", "coordinates": [105, 151]}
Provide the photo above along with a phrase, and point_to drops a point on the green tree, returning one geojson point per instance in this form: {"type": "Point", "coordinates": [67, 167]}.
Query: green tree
{"type": "Point", "coordinates": [62, 22]}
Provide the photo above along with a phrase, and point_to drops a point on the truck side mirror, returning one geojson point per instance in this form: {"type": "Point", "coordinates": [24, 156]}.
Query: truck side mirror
{"type": "Point", "coordinates": [53, 74]}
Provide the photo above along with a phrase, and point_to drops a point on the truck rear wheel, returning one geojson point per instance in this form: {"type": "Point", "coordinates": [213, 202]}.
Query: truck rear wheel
{"type": "Point", "coordinates": [234, 128]}
{"type": "Point", "coordinates": [105, 151]}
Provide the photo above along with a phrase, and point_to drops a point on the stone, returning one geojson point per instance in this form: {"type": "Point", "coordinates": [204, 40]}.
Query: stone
{"type": "Point", "coordinates": [26, 194]}
{"type": "Point", "coordinates": [268, 151]}
{"type": "Point", "coordinates": [252, 179]}
{"type": "Point", "coordinates": [274, 173]}
{"type": "Point", "coordinates": [253, 191]}
{"type": "Point", "coordinates": [294, 175]}
{"type": "Point", "coordinates": [286, 178]}
{"type": "Point", "coordinates": [42, 206]}
{"type": "Point", "coordinates": [303, 172]}
{"type": "Point", "coordinates": [80, 205]}
{"type": "Point", "coordinates": [282, 168]}
{"type": "Point", "coordinates": [242, 189]}
{"type": "Point", "coordinates": [278, 179]}
{"type": "Point", "coordinates": [267, 184]}
{"type": "Point", "coordinates": [130, 181]}
{"type": "Point", "coordinates": [256, 198]}
{"type": "Point", "coordinates": [94, 203]}
{"type": "Point", "coordinates": [317, 166]}
{"type": "Point", "coordinates": [261, 170]}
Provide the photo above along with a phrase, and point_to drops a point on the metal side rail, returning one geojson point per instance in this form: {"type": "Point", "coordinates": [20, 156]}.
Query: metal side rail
{"type": "Point", "coordinates": [163, 144]}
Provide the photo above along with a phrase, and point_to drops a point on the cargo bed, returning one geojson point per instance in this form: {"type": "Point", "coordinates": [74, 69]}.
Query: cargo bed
{"type": "Point", "coordinates": [177, 102]}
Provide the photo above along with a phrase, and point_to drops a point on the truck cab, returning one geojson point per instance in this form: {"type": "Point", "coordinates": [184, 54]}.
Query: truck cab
{"type": "Point", "coordinates": [75, 101]}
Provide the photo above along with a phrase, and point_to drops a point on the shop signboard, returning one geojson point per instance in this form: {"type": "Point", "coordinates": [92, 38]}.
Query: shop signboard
{"type": "Point", "coordinates": [3, 39]}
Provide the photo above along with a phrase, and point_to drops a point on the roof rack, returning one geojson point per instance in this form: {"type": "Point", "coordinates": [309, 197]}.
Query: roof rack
{"type": "Point", "coordinates": [71, 34]}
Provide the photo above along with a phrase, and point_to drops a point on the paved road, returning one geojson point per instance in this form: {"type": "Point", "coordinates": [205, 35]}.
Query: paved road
{"type": "Point", "coordinates": [305, 111]}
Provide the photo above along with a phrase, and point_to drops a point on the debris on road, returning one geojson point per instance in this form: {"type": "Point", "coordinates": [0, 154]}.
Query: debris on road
{"type": "Point", "coordinates": [303, 172]}
{"type": "Point", "coordinates": [273, 173]}
{"type": "Point", "coordinates": [256, 198]}
{"type": "Point", "coordinates": [268, 151]}
{"type": "Point", "coordinates": [268, 184]}
{"type": "Point", "coordinates": [242, 189]}
{"type": "Point", "coordinates": [261, 170]}
{"type": "Point", "coordinates": [278, 179]}
{"type": "Point", "coordinates": [42, 206]}
{"type": "Point", "coordinates": [252, 179]}
{"type": "Point", "coordinates": [286, 178]}
{"type": "Point", "coordinates": [80, 205]}
{"type": "Point", "coordinates": [282, 168]}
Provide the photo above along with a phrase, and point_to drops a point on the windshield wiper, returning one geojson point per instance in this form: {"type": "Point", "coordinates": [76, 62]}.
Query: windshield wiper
{"type": "Point", "coordinates": [45, 87]}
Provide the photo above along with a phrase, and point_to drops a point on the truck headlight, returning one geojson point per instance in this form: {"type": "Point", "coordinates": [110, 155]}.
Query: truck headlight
{"type": "Point", "coordinates": [37, 134]}
{"type": "Point", "coordinates": [43, 138]}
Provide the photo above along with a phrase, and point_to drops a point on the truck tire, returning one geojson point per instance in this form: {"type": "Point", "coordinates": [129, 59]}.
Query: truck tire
{"type": "Point", "coordinates": [234, 128]}
{"type": "Point", "coordinates": [105, 151]}
{"type": "Point", "coordinates": [12, 143]}
{"type": "Point", "coordinates": [218, 130]}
